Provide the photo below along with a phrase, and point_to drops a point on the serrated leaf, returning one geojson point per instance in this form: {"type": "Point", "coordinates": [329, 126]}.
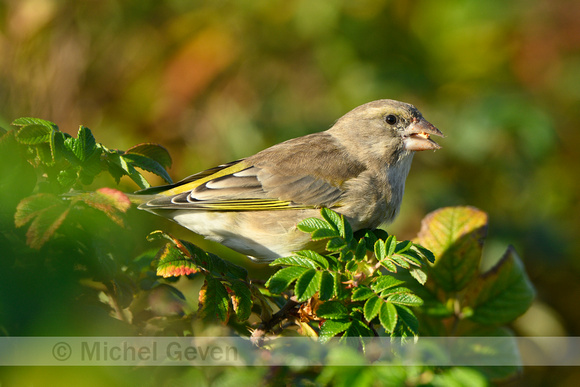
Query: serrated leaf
{"type": "Point", "coordinates": [214, 301]}
{"type": "Point", "coordinates": [336, 244]}
{"type": "Point", "coordinates": [25, 121]}
{"type": "Point", "coordinates": [173, 263]}
{"type": "Point", "coordinates": [148, 164]}
{"type": "Point", "coordinates": [372, 307]}
{"type": "Point", "coordinates": [361, 293]}
{"type": "Point", "coordinates": [294, 261]}
{"type": "Point", "coordinates": [346, 230]}
{"type": "Point", "coordinates": [309, 225]}
{"type": "Point", "coordinates": [153, 151]}
{"type": "Point", "coordinates": [403, 246]}
{"type": "Point", "coordinates": [33, 134]}
{"type": "Point", "coordinates": [408, 299]}
{"type": "Point", "coordinates": [335, 220]}
{"type": "Point", "coordinates": [280, 280]}
{"type": "Point", "coordinates": [241, 300]}
{"type": "Point", "coordinates": [331, 328]}
{"type": "Point", "coordinates": [109, 201]}
{"type": "Point", "coordinates": [380, 250]}
{"type": "Point", "coordinates": [332, 310]}
{"type": "Point", "coordinates": [399, 261]}
{"type": "Point", "coordinates": [361, 250]}
{"type": "Point", "coordinates": [424, 253]}
{"type": "Point", "coordinates": [313, 256]}
{"type": "Point", "coordinates": [385, 282]}
{"type": "Point", "coordinates": [358, 329]}
{"type": "Point", "coordinates": [455, 236]}
{"type": "Point", "coordinates": [408, 319]}
{"type": "Point", "coordinates": [46, 212]}
{"type": "Point", "coordinates": [351, 266]}
{"type": "Point", "coordinates": [419, 275]}
{"type": "Point", "coordinates": [390, 245]}
{"type": "Point", "coordinates": [388, 316]}
{"type": "Point", "coordinates": [323, 233]}
{"type": "Point", "coordinates": [85, 145]}
{"type": "Point", "coordinates": [389, 265]}
{"type": "Point", "coordinates": [327, 290]}
{"type": "Point", "coordinates": [307, 285]}
{"type": "Point", "coordinates": [501, 294]}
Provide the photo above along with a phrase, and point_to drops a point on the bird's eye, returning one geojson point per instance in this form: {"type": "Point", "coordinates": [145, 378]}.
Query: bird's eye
{"type": "Point", "coordinates": [391, 119]}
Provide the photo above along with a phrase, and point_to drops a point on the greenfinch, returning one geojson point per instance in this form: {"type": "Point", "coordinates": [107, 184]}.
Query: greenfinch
{"type": "Point", "coordinates": [357, 168]}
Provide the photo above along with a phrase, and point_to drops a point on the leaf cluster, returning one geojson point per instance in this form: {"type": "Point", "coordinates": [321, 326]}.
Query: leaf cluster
{"type": "Point", "coordinates": [74, 162]}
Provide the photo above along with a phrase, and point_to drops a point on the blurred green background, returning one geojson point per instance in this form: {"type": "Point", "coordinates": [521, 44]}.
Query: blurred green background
{"type": "Point", "coordinates": [216, 81]}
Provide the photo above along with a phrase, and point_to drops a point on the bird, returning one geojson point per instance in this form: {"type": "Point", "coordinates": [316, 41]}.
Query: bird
{"type": "Point", "coordinates": [357, 168]}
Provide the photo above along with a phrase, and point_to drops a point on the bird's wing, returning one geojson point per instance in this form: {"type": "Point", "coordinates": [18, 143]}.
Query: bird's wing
{"type": "Point", "coordinates": [306, 172]}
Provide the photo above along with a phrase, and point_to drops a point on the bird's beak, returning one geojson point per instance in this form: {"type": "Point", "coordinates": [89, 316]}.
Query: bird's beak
{"type": "Point", "coordinates": [416, 136]}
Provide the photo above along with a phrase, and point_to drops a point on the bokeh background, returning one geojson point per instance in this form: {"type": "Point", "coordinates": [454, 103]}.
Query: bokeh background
{"type": "Point", "coordinates": [216, 81]}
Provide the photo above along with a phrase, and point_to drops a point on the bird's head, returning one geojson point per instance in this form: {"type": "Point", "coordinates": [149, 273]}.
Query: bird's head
{"type": "Point", "coordinates": [385, 128]}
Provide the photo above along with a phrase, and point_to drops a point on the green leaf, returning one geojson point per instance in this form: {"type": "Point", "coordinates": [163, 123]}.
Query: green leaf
{"type": "Point", "coordinates": [85, 145]}
{"type": "Point", "coordinates": [46, 212]}
{"type": "Point", "coordinates": [295, 261]}
{"type": "Point", "coordinates": [332, 310]}
{"type": "Point", "coordinates": [419, 275]}
{"type": "Point", "coordinates": [501, 294]}
{"type": "Point", "coordinates": [241, 300]}
{"type": "Point", "coordinates": [408, 319]}
{"type": "Point", "coordinates": [310, 225]}
{"type": "Point", "coordinates": [380, 250]}
{"type": "Point", "coordinates": [335, 220]}
{"type": "Point", "coordinates": [390, 245]}
{"type": "Point", "coordinates": [307, 284]}
{"type": "Point", "coordinates": [388, 316]}
{"type": "Point", "coordinates": [327, 290]}
{"type": "Point", "coordinates": [174, 263]}
{"type": "Point", "coordinates": [389, 265]}
{"type": "Point", "coordinates": [109, 201]}
{"type": "Point", "coordinates": [361, 250]}
{"type": "Point", "coordinates": [361, 293]}
{"type": "Point", "coordinates": [385, 282]}
{"type": "Point", "coordinates": [424, 253]}
{"type": "Point", "coordinates": [153, 151]}
{"type": "Point", "coordinates": [408, 299]}
{"type": "Point", "coordinates": [148, 164]}
{"type": "Point", "coordinates": [26, 121]}
{"type": "Point", "coordinates": [358, 329]}
{"type": "Point", "coordinates": [313, 256]}
{"type": "Point", "coordinates": [331, 328]}
{"type": "Point", "coordinates": [455, 236]}
{"type": "Point", "coordinates": [403, 246]}
{"type": "Point", "coordinates": [372, 307]}
{"type": "Point", "coordinates": [336, 244]}
{"type": "Point", "coordinates": [33, 135]}
{"type": "Point", "coordinates": [280, 280]}
{"type": "Point", "coordinates": [214, 300]}
{"type": "Point", "coordinates": [323, 233]}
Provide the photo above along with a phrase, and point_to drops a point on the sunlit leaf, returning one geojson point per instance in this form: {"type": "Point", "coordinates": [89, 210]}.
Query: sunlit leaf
{"type": "Point", "coordinates": [280, 280]}
{"type": "Point", "coordinates": [331, 328]}
{"type": "Point", "coordinates": [241, 300]}
{"type": "Point", "coordinates": [332, 310]}
{"type": "Point", "coordinates": [214, 300]}
{"type": "Point", "coordinates": [501, 294]}
{"type": "Point", "coordinates": [46, 212]}
{"type": "Point", "coordinates": [327, 290]}
{"type": "Point", "coordinates": [33, 134]}
{"type": "Point", "coordinates": [455, 236]}
{"type": "Point", "coordinates": [388, 316]}
{"type": "Point", "coordinates": [153, 151]}
{"type": "Point", "coordinates": [307, 284]}
{"type": "Point", "coordinates": [372, 307]}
